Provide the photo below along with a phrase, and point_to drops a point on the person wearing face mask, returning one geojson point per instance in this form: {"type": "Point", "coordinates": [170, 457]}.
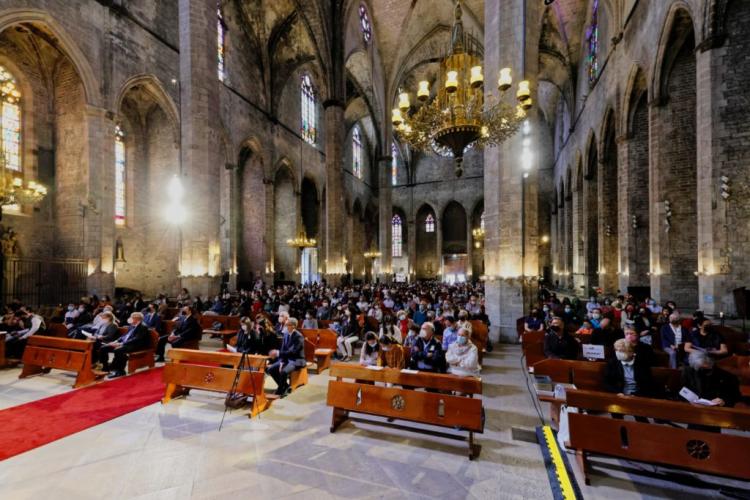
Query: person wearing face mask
{"type": "Point", "coordinates": [547, 314]}
{"type": "Point", "coordinates": [707, 339]}
{"type": "Point", "coordinates": [403, 323]}
{"type": "Point", "coordinates": [672, 336]}
{"type": "Point", "coordinates": [463, 320]}
{"type": "Point", "coordinates": [644, 351]}
{"type": "Point", "coordinates": [558, 344]}
{"type": "Point", "coordinates": [462, 356]}
{"type": "Point", "coordinates": [136, 338]}
{"type": "Point", "coordinates": [152, 319]}
{"type": "Point", "coordinates": [450, 334]}
{"type": "Point", "coordinates": [591, 305]}
{"type": "Point", "coordinates": [626, 374]}
{"type": "Point", "coordinates": [370, 351]}
{"type": "Point", "coordinates": [349, 335]}
{"type": "Point", "coordinates": [533, 322]}
{"type": "Point", "coordinates": [568, 314]}
{"type": "Point", "coordinates": [427, 354]}
{"type": "Point", "coordinates": [390, 330]}
{"type": "Point", "coordinates": [309, 323]}
{"type": "Point", "coordinates": [709, 381]}
{"type": "Point", "coordinates": [187, 329]}
{"type": "Point", "coordinates": [412, 335]}
{"type": "Point", "coordinates": [289, 357]}
{"type": "Point", "coordinates": [653, 306]}
{"type": "Point", "coordinates": [70, 315]}
{"type": "Point", "coordinates": [595, 316]}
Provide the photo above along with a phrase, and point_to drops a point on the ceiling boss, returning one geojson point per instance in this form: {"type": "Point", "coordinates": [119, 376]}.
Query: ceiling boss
{"type": "Point", "coordinates": [459, 116]}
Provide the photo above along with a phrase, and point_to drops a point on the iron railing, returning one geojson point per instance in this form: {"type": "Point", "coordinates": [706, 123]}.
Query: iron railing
{"type": "Point", "coordinates": [48, 282]}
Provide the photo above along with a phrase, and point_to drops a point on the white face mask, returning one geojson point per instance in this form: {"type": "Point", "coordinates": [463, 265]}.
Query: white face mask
{"type": "Point", "coordinates": [596, 316]}
{"type": "Point", "coordinates": [423, 334]}
{"type": "Point", "coordinates": [372, 344]}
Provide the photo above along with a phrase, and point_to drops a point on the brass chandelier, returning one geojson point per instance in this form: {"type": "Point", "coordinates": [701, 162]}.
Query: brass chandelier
{"type": "Point", "coordinates": [301, 241]}
{"type": "Point", "coordinates": [13, 189]}
{"type": "Point", "coordinates": [460, 117]}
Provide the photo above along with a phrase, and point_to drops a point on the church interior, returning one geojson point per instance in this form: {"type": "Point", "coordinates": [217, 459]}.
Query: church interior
{"type": "Point", "coordinates": [374, 249]}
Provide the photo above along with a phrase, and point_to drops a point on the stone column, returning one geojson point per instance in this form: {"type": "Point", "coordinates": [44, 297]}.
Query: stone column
{"type": "Point", "coordinates": [511, 249]}
{"type": "Point", "coordinates": [99, 231]}
{"type": "Point", "coordinates": [200, 156]}
{"type": "Point", "coordinates": [335, 204]}
{"type": "Point", "coordinates": [469, 248]}
{"type": "Point", "coordinates": [385, 213]}
{"type": "Point", "coordinates": [723, 150]}
{"type": "Point", "coordinates": [411, 242]}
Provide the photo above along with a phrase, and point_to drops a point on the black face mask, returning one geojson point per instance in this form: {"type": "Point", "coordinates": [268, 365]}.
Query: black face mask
{"type": "Point", "coordinates": [555, 328]}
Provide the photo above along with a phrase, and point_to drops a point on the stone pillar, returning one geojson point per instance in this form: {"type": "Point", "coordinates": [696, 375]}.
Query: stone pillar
{"type": "Point", "coordinates": [201, 158]}
{"type": "Point", "coordinates": [385, 213]}
{"type": "Point", "coordinates": [469, 247]}
{"type": "Point", "coordinates": [411, 242]}
{"type": "Point", "coordinates": [335, 204]}
{"type": "Point", "coordinates": [439, 243]}
{"type": "Point", "coordinates": [511, 249]}
{"type": "Point", "coordinates": [99, 230]}
{"type": "Point", "coordinates": [626, 235]}
{"type": "Point", "coordinates": [723, 150]}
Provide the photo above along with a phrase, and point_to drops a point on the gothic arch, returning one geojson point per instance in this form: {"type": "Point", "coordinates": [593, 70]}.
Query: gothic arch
{"type": "Point", "coordinates": [12, 17]}
{"type": "Point", "coordinates": [154, 88]}
{"type": "Point", "coordinates": [678, 26]}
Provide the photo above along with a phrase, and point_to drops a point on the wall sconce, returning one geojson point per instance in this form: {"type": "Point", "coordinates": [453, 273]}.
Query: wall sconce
{"type": "Point", "coordinates": [634, 222]}
{"type": "Point", "coordinates": [724, 187]}
{"type": "Point", "coordinates": [608, 230]}
{"type": "Point", "coordinates": [667, 215]}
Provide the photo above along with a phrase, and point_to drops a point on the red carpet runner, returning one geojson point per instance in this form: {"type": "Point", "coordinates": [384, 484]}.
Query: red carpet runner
{"type": "Point", "coordinates": [34, 424]}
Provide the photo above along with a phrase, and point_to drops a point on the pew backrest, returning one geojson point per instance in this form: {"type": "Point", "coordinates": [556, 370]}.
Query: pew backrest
{"type": "Point", "coordinates": [321, 338]}
{"type": "Point", "coordinates": [427, 380]}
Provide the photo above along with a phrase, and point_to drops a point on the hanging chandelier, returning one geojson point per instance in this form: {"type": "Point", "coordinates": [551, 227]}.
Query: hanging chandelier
{"type": "Point", "coordinates": [13, 189]}
{"type": "Point", "coordinates": [301, 241]}
{"type": "Point", "coordinates": [460, 117]}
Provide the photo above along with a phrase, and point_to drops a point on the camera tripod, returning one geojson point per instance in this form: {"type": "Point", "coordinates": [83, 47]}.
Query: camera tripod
{"type": "Point", "coordinates": [243, 365]}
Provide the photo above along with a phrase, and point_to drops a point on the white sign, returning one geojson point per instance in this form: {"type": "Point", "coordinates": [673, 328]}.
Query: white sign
{"type": "Point", "coordinates": [593, 351]}
{"type": "Point", "coordinates": [400, 278]}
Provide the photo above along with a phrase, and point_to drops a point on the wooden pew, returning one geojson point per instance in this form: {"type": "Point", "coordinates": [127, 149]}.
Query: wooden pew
{"type": "Point", "coordinates": [321, 348]}
{"type": "Point", "coordinates": [214, 371]}
{"type": "Point", "coordinates": [740, 367]}
{"type": "Point", "coordinates": [5, 362]}
{"type": "Point", "coordinates": [144, 358]}
{"type": "Point", "coordinates": [56, 330]}
{"type": "Point", "coordinates": [695, 450]}
{"type": "Point", "coordinates": [532, 345]}
{"type": "Point", "coordinates": [589, 375]}
{"type": "Point", "coordinates": [230, 325]}
{"type": "Point", "coordinates": [43, 353]}
{"type": "Point", "coordinates": [479, 335]}
{"type": "Point", "coordinates": [360, 394]}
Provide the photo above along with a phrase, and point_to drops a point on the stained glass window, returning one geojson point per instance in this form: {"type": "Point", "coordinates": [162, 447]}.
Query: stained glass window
{"type": "Point", "coordinates": [221, 29]}
{"type": "Point", "coordinates": [396, 237]}
{"type": "Point", "coordinates": [120, 164]}
{"type": "Point", "coordinates": [357, 153]}
{"type": "Point", "coordinates": [592, 37]}
{"type": "Point", "coordinates": [10, 120]}
{"type": "Point", "coordinates": [429, 224]}
{"type": "Point", "coordinates": [364, 22]}
{"type": "Point", "coordinates": [309, 131]}
{"type": "Point", "coordinates": [394, 164]}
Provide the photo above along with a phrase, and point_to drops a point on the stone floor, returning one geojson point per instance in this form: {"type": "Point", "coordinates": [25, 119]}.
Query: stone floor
{"type": "Point", "coordinates": [177, 451]}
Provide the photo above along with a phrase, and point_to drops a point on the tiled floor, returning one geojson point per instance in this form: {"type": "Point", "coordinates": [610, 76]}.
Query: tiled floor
{"type": "Point", "coordinates": [177, 451]}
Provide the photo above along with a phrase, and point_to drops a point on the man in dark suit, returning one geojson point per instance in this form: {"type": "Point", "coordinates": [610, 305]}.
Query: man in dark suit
{"type": "Point", "coordinates": [290, 357]}
{"type": "Point", "coordinates": [628, 373]}
{"type": "Point", "coordinates": [187, 329]}
{"type": "Point", "coordinates": [136, 338]}
{"type": "Point", "coordinates": [106, 332]}
{"type": "Point", "coordinates": [427, 353]}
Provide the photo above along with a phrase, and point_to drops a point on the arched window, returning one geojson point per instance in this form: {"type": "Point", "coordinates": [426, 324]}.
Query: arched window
{"type": "Point", "coordinates": [396, 236]}
{"type": "Point", "coordinates": [221, 31]}
{"type": "Point", "coordinates": [10, 121]}
{"type": "Point", "coordinates": [394, 164]}
{"type": "Point", "coordinates": [120, 164]}
{"type": "Point", "coordinates": [309, 119]}
{"type": "Point", "coordinates": [364, 23]}
{"type": "Point", "coordinates": [592, 37]}
{"type": "Point", "coordinates": [429, 224]}
{"type": "Point", "coordinates": [357, 152]}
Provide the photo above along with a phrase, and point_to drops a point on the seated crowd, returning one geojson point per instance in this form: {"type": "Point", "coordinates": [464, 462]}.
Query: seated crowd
{"type": "Point", "coordinates": [424, 326]}
{"type": "Point", "coordinates": [636, 337]}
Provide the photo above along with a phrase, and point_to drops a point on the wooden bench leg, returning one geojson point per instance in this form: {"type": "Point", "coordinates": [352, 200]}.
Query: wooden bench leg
{"type": "Point", "coordinates": [172, 391]}
{"type": "Point", "coordinates": [260, 404]}
{"type": "Point", "coordinates": [583, 465]}
{"type": "Point", "coordinates": [338, 417]}
{"type": "Point", "coordinates": [29, 370]}
{"type": "Point", "coordinates": [298, 378]}
{"type": "Point", "coordinates": [323, 361]}
{"type": "Point", "coordinates": [85, 377]}
{"type": "Point", "coordinates": [474, 448]}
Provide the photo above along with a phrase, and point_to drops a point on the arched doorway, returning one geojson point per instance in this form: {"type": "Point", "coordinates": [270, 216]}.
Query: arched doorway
{"type": "Point", "coordinates": [454, 252]}
{"type": "Point", "coordinates": [310, 210]}
{"type": "Point", "coordinates": [427, 265]}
